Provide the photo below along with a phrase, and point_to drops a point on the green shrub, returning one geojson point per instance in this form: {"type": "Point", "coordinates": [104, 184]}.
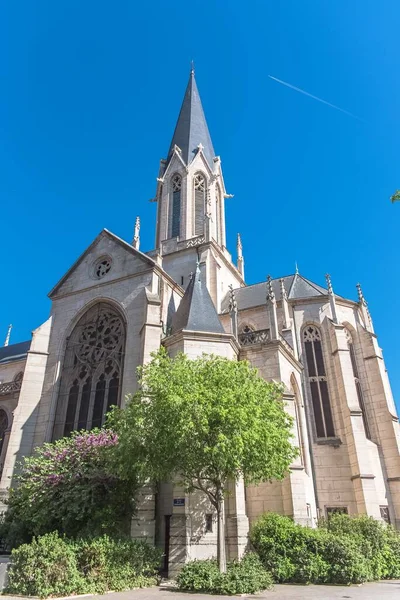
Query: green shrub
{"type": "Point", "coordinates": [380, 543]}
{"type": "Point", "coordinates": [109, 564]}
{"type": "Point", "coordinates": [247, 576]}
{"type": "Point", "coordinates": [55, 566]}
{"type": "Point", "coordinates": [199, 576]}
{"type": "Point", "coordinates": [345, 558]}
{"type": "Point", "coordinates": [297, 554]}
{"type": "Point", "coordinates": [45, 567]}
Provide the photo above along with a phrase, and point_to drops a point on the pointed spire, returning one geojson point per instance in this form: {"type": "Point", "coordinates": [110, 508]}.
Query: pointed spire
{"type": "Point", "coordinates": [233, 311]}
{"type": "Point", "coordinates": [285, 305]}
{"type": "Point", "coordinates": [270, 289]}
{"type": "Point", "coordinates": [136, 235]}
{"type": "Point", "coordinates": [191, 128]}
{"type": "Point", "coordinates": [271, 303]}
{"type": "Point", "coordinates": [196, 311]}
{"type": "Point", "coordinates": [7, 340]}
{"type": "Point", "coordinates": [364, 308]}
{"type": "Point", "coordinates": [332, 299]}
{"type": "Point", "coordinates": [240, 259]}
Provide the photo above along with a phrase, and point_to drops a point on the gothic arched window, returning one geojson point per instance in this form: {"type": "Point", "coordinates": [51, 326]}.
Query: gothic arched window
{"type": "Point", "coordinates": [298, 433]}
{"type": "Point", "coordinates": [318, 382]}
{"type": "Point", "coordinates": [92, 371]}
{"type": "Point", "coordinates": [200, 190]}
{"type": "Point", "coordinates": [175, 205]}
{"type": "Point", "coordinates": [218, 200]}
{"type": "Point", "coordinates": [3, 427]}
{"type": "Point", "coordinates": [357, 382]}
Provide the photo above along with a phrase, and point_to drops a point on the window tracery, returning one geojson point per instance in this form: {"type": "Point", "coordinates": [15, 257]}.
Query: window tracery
{"type": "Point", "coordinates": [175, 206]}
{"type": "Point", "coordinates": [200, 190]}
{"type": "Point", "coordinates": [102, 266]}
{"type": "Point", "coordinates": [3, 427]}
{"type": "Point", "coordinates": [92, 371]}
{"type": "Point", "coordinates": [318, 382]}
{"type": "Point", "coordinates": [218, 201]}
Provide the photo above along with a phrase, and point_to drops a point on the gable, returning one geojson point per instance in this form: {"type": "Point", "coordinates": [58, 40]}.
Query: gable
{"type": "Point", "coordinates": [108, 258]}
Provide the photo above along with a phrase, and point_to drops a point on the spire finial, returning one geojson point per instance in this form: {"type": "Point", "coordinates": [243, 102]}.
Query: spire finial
{"type": "Point", "coordinates": [270, 290]}
{"type": "Point", "coordinates": [136, 234]}
{"type": "Point", "coordinates": [239, 246]}
{"type": "Point", "coordinates": [332, 298]}
{"type": "Point", "coordinates": [240, 259]}
{"type": "Point", "coordinates": [192, 67]}
{"type": "Point", "coordinates": [329, 284]}
{"type": "Point", "coordinates": [297, 268]}
{"type": "Point", "coordinates": [361, 298]}
{"type": "Point", "coordinates": [7, 340]}
{"type": "Point", "coordinates": [364, 305]}
{"type": "Point", "coordinates": [232, 300]}
{"type": "Point", "coordinates": [283, 289]}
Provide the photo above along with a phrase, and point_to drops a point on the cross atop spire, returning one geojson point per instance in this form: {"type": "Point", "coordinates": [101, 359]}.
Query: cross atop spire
{"type": "Point", "coordinates": [191, 128]}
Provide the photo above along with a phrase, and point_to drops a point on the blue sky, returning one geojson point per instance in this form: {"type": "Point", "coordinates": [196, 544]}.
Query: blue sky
{"type": "Point", "coordinates": [90, 94]}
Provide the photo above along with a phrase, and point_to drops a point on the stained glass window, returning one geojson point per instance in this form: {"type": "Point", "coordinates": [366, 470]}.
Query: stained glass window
{"type": "Point", "coordinates": [318, 382]}
{"type": "Point", "coordinates": [92, 370]}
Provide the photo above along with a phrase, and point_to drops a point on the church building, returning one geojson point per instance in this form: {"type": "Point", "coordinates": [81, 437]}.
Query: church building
{"type": "Point", "coordinates": [117, 304]}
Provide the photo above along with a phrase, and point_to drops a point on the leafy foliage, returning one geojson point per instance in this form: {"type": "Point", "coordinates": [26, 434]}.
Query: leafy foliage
{"type": "Point", "coordinates": [293, 553]}
{"type": "Point", "coordinates": [45, 567]}
{"type": "Point", "coordinates": [380, 543]}
{"type": "Point", "coordinates": [70, 486]}
{"type": "Point", "coordinates": [110, 564]}
{"type": "Point", "coordinates": [396, 196]}
{"type": "Point", "coordinates": [245, 577]}
{"type": "Point", "coordinates": [55, 566]}
{"type": "Point", "coordinates": [210, 420]}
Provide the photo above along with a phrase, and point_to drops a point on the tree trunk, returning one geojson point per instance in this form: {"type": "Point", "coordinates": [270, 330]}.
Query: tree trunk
{"type": "Point", "coordinates": [221, 555]}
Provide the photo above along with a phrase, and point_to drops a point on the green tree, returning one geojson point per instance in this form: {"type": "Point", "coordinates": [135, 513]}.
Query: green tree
{"type": "Point", "coordinates": [70, 486]}
{"type": "Point", "coordinates": [207, 421]}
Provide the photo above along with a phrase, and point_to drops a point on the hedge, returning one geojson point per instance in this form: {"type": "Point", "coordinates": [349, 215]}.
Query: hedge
{"type": "Point", "coordinates": [56, 566]}
{"type": "Point", "coordinates": [342, 550]}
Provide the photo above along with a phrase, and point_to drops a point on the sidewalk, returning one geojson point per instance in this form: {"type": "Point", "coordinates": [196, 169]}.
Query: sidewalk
{"type": "Point", "coordinates": [385, 590]}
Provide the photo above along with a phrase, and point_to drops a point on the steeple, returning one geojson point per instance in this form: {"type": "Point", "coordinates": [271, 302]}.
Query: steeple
{"type": "Point", "coordinates": [191, 129]}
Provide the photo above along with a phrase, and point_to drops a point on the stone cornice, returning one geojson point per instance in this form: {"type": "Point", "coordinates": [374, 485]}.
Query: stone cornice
{"type": "Point", "coordinates": [203, 336]}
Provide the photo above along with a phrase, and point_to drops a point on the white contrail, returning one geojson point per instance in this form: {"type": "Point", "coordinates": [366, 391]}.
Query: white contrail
{"type": "Point", "coordinates": [293, 87]}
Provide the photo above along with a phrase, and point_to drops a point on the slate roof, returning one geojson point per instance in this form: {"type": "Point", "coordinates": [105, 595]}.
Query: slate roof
{"type": "Point", "coordinates": [196, 312]}
{"type": "Point", "coordinates": [297, 287]}
{"type": "Point", "coordinates": [191, 128]}
{"type": "Point", "coordinates": [14, 352]}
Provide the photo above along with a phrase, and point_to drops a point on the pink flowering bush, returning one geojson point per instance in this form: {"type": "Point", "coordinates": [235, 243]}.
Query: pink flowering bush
{"type": "Point", "coordinates": [71, 486]}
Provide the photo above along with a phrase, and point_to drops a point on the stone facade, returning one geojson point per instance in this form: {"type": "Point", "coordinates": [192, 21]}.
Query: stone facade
{"type": "Point", "coordinates": [320, 346]}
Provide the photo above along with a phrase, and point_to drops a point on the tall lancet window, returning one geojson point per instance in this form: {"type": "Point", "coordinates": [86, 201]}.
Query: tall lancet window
{"type": "Point", "coordinates": [218, 200]}
{"type": "Point", "coordinates": [92, 371]}
{"type": "Point", "coordinates": [318, 382]}
{"type": "Point", "coordinates": [200, 190]}
{"type": "Point", "coordinates": [175, 205]}
{"type": "Point", "coordinates": [360, 396]}
{"type": "Point", "coordinates": [3, 427]}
